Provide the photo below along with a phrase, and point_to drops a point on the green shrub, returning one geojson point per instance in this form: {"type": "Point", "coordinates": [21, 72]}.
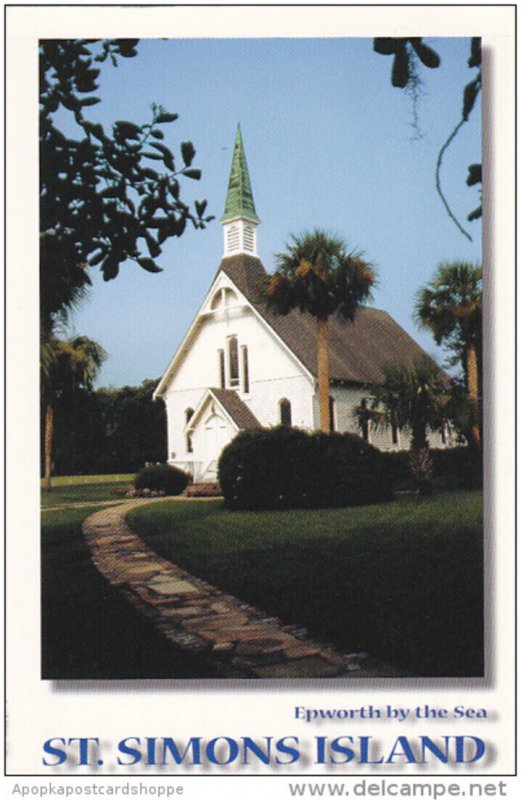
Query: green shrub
{"type": "Point", "coordinates": [162, 478]}
{"type": "Point", "coordinates": [453, 468]}
{"type": "Point", "coordinates": [348, 471]}
{"type": "Point", "coordinates": [289, 468]}
{"type": "Point", "coordinates": [457, 468]}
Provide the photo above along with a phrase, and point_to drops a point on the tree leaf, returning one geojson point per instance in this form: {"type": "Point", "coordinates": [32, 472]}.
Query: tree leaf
{"type": "Point", "coordinates": [90, 101]}
{"type": "Point", "coordinates": [384, 45]}
{"type": "Point", "coordinates": [195, 174]}
{"type": "Point", "coordinates": [166, 117]}
{"type": "Point", "coordinates": [148, 264]}
{"type": "Point", "coordinates": [187, 152]}
{"type": "Point", "coordinates": [200, 207]}
{"type": "Point", "coordinates": [475, 52]}
{"type": "Point", "coordinates": [157, 134]}
{"type": "Point", "coordinates": [110, 191]}
{"type": "Point", "coordinates": [110, 268]}
{"type": "Point", "coordinates": [153, 246]}
{"type": "Point", "coordinates": [97, 258]}
{"type": "Point", "coordinates": [96, 129]}
{"type": "Point", "coordinates": [469, 97]}
{"type": "Point", "coordinates": [474, 175]}
{"type": "Point", "coordinates": [426, 55]}
{"type": "Point", "coordinates": [400, 73]}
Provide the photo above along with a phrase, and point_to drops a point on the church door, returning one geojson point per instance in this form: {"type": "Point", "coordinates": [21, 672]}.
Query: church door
{"type": "Point", "coordinates": [217, 436]}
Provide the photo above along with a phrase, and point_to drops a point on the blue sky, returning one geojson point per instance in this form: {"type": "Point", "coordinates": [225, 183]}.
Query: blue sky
{"type": "Point", "coordinates": [329, 144]}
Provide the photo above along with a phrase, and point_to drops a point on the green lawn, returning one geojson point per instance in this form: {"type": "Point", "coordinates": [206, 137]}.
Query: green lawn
{"type": "Point", "coordinates": [85, 488]}
{"type": "Point", "coordinates": [88, 630]}
{"type": "Point", "coordinates": [74, 480]}
{"type": "Point", "coordinates": [401, 580]}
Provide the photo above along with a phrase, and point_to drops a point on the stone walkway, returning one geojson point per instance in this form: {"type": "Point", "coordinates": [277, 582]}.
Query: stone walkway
{"type": "Point", "coordinates": [237, 639]}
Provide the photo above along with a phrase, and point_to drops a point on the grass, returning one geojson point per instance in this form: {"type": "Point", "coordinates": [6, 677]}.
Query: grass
{"type": "Point", "coordinates": [85, 489]}
{"type": "Point", "coordinates": [88, 630]}
{"type": "Point", "coordinates": [401, 580]}
{"type": "Point", "coordinates": [74, 480]}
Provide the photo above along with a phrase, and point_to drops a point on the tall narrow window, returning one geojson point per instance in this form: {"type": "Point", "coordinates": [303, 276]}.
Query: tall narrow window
{"type": "Point", "coordinates": [189, 412]}
{"type": "Point", "coordinates": [233, 360]}
{"type": "Point", "coordinates": [245, 370]}
{"type": "Point", "coordinates": [222, 369]}
{"type": "Point", "coordinates": [285, 412]}
{"type": "Point", "coordinates": [332, 423]}
{"type": "Point", "coordinates": [395, 434]}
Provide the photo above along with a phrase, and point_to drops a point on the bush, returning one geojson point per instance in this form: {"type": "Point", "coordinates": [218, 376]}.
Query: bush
{"type": "Point", "coordinates": [289, 468]}
{"type": "Point", "coordinates": [452, 468]}
{"type": "Point", "coordinates": [162, 478]}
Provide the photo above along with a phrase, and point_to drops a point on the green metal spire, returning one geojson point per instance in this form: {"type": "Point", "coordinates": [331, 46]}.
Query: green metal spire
{"type": "Point", "coordinates": [239, 200]}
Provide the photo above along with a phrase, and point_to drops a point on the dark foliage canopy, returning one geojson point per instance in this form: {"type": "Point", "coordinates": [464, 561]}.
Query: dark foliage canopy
{"type": "Point", "coordinates": [109, 430]}
{"type": "Point", "coordinates": [105, 196]}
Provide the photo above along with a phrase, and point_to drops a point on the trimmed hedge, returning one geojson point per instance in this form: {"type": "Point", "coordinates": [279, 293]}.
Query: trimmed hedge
{"type": "Point", "coordinates": [289, 468]}
{"type": "Point", "coordinates": [162, 478]}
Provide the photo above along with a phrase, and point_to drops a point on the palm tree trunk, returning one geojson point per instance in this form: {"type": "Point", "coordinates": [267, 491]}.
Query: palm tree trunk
{"type": "Point", "coordinates": [323, 375]}
{"type": "Point", "coordinates": [473, 394]}
{"type": "Point", "coordinates": [419, 456]}
{"type": "Point", "coordinates": [49, 431]}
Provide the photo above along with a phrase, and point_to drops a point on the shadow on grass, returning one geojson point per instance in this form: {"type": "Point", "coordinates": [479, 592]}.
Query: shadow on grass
{"type": "Point", "coordinates": [88, 630]}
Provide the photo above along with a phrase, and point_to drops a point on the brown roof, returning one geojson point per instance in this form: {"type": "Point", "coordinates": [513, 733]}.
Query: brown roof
{"type": "Point", "coordinates": [359, 351]}
{"type": "Point", "coordinates": [236, 408]}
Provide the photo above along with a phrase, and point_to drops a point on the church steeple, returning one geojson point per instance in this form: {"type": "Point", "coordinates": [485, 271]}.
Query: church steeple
{"type": "Point", "coordinates": [240, 219]}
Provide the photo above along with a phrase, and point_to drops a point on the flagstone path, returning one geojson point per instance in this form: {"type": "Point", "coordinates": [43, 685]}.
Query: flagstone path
{"type": "Point", "coordinates": [237, 639]}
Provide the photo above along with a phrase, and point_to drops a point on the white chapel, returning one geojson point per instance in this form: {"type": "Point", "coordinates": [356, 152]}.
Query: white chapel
{"type": "Point", "coordinates": [242, 366]}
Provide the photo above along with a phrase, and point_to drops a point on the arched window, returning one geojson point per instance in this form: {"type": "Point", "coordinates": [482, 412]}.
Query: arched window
{"type": "Point", "coordinates": [233, 360]}
{"type": "Point", "coordinates": [285, 412]}
{"type": "Point", "coordinates": [189, 412]}
{"type": "Point", "coordinates": [332, 413]}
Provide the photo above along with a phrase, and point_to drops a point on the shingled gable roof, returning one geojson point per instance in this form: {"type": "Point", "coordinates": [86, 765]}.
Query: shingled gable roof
{"type": "Point", "coordinates": [359, 351]}
{"type": "Point", "coordinates": [236, 408]}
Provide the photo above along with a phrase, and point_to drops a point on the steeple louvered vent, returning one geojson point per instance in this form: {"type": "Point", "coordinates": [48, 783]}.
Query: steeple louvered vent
{"type": "Point", "coordinates": [240, 218]}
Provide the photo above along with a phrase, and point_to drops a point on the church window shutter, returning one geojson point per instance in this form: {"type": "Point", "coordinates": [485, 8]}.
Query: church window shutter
{"type": "Point", "coordinates": [245, 370]}
{"type": "Point", "coordinates": [285, 412]}
{"type": "Point", "coordinates": [233, 238]}
{"type": "Point", "coordinates": [233, 360]}
{"type": "Point", "coordinates": [249, 239]}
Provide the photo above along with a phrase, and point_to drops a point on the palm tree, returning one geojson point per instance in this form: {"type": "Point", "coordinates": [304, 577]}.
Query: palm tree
{"type": "Point", "coordinates": [66, 366]}
{"type": "Point", "coordinates": [411, 398]}
{"type": "Point", "coordinates": [451, 307]}
{"type": "Point", "coordinates": [317, 275]}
